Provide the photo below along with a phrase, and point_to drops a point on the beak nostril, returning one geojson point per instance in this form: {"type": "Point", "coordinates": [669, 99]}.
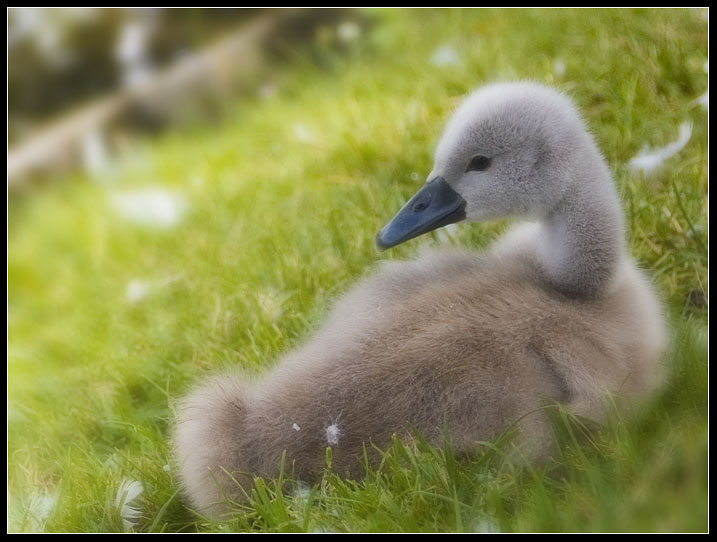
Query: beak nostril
{"type": "Point", "coordinates": [423, 201]}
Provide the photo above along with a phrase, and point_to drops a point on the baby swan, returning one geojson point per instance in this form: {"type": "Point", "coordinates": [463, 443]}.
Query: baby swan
{"type": "Point", "coordinates": [462, 342]}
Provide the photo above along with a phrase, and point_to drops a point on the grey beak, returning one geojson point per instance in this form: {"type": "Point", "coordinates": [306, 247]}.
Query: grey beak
{"type": "Point", "coordinates": [433, 206]}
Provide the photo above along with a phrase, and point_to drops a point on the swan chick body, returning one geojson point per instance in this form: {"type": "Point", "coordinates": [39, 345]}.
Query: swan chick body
{"type": "Point", "coordinates": [454, 342]}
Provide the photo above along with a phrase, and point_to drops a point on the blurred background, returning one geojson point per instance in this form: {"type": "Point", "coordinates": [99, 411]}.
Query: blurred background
{"type": "Point", "coordinates": [189, 189]}
{"type": "Point", "coordinates": [83, 81]}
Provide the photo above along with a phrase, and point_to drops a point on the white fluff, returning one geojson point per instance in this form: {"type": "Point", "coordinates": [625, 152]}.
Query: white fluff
{"type": "Point", "coordinates": [136, 291]}
{"type": "Point", "coordinates": [154, 206]}
{"type": "Point", "coordinates": [332, 434]}
{"type": "Point", "coordinates": [445, 56]}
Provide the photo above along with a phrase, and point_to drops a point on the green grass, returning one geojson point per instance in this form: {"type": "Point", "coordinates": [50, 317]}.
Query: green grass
{"type": "Point", "coordinates": [285, 197]}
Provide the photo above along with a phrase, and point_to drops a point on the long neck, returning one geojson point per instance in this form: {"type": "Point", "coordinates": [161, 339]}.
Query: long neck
{"type": "Point", "coordinates": [583, 237]}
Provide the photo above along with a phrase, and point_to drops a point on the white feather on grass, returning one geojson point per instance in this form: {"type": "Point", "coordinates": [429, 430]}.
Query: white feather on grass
{"type": "Point", "coordinates": [649, 160]}
{"type": "Point", "coordinates": [128, 491]}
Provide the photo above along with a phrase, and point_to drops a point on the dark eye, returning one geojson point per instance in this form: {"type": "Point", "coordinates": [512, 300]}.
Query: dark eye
{"type": "Point", "coordinates": [479, 163]}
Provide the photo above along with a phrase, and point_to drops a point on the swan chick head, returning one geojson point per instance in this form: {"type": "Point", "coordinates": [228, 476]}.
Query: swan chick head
{"type": "Point", "coordinates": [509, 150]}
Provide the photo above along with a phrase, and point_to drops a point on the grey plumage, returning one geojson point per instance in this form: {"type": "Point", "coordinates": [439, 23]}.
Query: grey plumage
{"type": "Point", "coordinates": [455, 341]}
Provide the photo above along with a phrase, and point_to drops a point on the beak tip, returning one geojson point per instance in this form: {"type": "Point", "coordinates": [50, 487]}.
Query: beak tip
{"type": "Point", "coordinates": [381, 245]}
